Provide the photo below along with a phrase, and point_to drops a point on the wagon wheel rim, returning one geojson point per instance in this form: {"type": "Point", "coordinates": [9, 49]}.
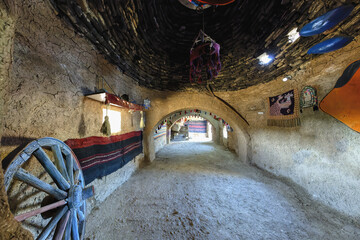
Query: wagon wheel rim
{"type": "Point", "coordinates": [69, 192]}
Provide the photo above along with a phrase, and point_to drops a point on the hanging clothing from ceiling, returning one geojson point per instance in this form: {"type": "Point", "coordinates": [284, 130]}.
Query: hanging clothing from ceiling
{"type": "Point", "coordinates": [205, 55]}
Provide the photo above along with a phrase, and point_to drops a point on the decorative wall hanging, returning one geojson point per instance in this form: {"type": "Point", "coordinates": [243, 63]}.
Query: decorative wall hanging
{"type": "Point", "coordinates": [330, 45]}
{"type": "Point", "coordinates": [308, 98]}
{"type": "Point", "coordinates": [160, 133]}
{"type": "Point", "coordinates": [198, 126]}
{"type": "Point", "coordinates": [100, 156]}
{"type": "Point", "coordinates": [147, 104]}
{"type": "Point", "coordinates": [284, 110]}
{"type": "Point", "coordinates": [326, 21]}
{"type": "Point", "coordinates": [205, 53]}
{"type": "Point", "coordinates": [343, 102]}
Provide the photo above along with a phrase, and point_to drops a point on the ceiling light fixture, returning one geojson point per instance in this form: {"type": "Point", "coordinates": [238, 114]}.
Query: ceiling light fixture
{"type": "Point", "coordinates": [265, 59]}
{"type": "Point", "coordinates": [287, 78]}
{"type": "Point", "coordinates": [293, 35]}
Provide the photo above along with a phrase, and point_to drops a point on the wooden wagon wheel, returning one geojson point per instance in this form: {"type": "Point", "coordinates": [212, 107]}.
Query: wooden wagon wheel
{"type": "Point", "coordinates": [68, 187]}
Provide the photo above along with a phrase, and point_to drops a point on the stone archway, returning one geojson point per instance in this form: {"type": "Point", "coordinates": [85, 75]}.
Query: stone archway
{"type": "Point", "coordinates": [202, 114]}
{"type": "Point", "coordinates": [162, 107]}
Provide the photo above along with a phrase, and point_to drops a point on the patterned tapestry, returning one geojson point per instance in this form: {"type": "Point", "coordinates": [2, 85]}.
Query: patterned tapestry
{"type": "Point", "coordinates": [161, 132]}
{"type": "Point", "coordinates": [100, 156]}
{"type": "Point", "coordinates": [284, 110]}
{"type": "Point", "coordinates": [343, 102]}
{"type": "Point", "coordinates": [308, 98]}
{"type": "Point", "coordinates": [197, 126]}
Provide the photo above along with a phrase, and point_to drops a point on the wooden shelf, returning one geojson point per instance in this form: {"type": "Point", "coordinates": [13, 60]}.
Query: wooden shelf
{"type": "Point", "coordinates": [113, 100]}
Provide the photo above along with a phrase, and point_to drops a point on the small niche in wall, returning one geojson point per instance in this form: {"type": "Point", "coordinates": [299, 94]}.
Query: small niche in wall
{"type": "Point", "coordinates": [114, 119]}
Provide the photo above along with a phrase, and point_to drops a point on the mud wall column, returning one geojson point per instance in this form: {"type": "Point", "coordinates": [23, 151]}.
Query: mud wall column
{"type": "Point", "coordinates": [10, 229]}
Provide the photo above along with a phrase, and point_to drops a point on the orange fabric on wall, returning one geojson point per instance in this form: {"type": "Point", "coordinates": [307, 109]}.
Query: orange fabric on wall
{"type": "Point", "coordinates": [344, 103]}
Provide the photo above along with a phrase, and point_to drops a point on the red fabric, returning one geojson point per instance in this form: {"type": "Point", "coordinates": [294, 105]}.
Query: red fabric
{"type": "Point", "coordinates": [113, 99]}
{"type": "Point", "coordinates": [90, 141]}
{"type": "Point", "coordinates": [216, 2]}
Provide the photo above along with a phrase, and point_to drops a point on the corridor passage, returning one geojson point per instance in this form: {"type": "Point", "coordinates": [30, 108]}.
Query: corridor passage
{"type": "Point", "coordinates": [198, 190]}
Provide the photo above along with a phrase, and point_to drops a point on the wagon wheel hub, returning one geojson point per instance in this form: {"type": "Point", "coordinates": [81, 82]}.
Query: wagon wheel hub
{"type": "Point", "coordinates": [75, 197]}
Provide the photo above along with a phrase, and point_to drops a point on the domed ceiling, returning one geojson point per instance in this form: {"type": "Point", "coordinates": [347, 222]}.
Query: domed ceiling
{"type": "Point", "coordinates": [150, 40]}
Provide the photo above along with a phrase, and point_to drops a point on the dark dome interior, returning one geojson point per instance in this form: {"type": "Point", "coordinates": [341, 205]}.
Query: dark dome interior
{"type": "Point", "coordinates": [150, 40]}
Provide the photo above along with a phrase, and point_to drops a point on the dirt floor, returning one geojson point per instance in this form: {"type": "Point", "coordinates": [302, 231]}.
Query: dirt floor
{"type": "Point", "coordinates": [200, 191]}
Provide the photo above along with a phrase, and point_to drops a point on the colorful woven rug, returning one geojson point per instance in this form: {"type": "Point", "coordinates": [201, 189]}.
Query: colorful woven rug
{"type": "Point", "coordinates": [197, 126]}
{"type": "Point", "coordinates": [343, 102]}
{"type": "Point", "coordinates": [160, 132]}
{"type": "Point", "coordinates": [100, 156]}
{"type": "Point", "coordinates": [284, 110]}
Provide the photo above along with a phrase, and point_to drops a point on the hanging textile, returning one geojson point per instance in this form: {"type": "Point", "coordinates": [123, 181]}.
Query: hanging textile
{"type": "Point", "coordinates": [343, 102]}
{"type": "Point", "coordinates": [205, 53]}
{"type": "Point", "coordinates": [284, 110]}
{"type": "Point", "coordinates": [308, 98]}
{"type": "Point", "coordinates": [101, 156]}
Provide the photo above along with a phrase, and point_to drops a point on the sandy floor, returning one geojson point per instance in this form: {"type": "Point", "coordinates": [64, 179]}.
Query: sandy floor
{"type": "Point", "coordinates": [199, 191]}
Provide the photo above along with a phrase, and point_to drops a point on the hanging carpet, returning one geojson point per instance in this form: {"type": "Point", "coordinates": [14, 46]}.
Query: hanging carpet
{"type": "Point", "coordinates": [343, 102]}
{"type": "Point", "coordinates": [100, 156]}
{"type": "Point", "coordinates": [284, 110]}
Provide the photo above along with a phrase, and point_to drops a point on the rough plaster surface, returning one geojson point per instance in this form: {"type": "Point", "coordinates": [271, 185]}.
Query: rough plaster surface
{"type": "Point", "coordinates": [201, 191]}
{"type": "Point", "coordinates": [44, 75]}
{"type": "Point", "coordinates": [52, 68]}
{"type": "Point", "coordinates": [10, 229]}
{"type": "Point", "coordinates": [105, 186]}
{"type": "Point", "coordinates": [43, 81]}
{"type": "Point", "coordinates": [159, 143]}
{"type": "Point", "coordinates": [323, 156]}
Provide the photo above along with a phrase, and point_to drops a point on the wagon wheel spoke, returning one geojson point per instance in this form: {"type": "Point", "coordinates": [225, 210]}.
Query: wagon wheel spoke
{"type": "Point", "coordinates": [70, 167]}
{"type": "Point", "coordinates": [67, 234]}
{"type": "Point", "coordinates": [61, 227]}
{"type": "Point", "coordinates": [26, 215]}
{"type": "Point", "coordinates": [74, 226]}
{"type": "Point", "coordinates": [69, 220]}
{"type": "Point", "coordinates": [51, 169]}
{"type": "Point", "coordinates": [30, 179]}
{"type": "Point", "coordinates": [50, 226]}
{"type": "Point", "coordinates": [60, 161]}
